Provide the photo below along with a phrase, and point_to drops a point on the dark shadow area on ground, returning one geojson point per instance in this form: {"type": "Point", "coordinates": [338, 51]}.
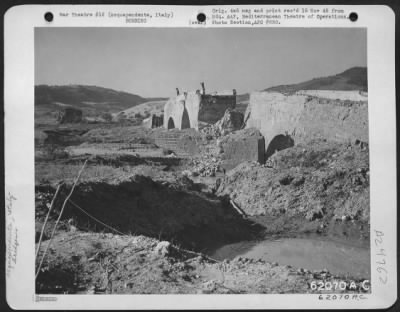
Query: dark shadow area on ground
{"type": "Point", "coordinates": [166, 211]}
{"type": "Point", "coordinates": [123, 160]}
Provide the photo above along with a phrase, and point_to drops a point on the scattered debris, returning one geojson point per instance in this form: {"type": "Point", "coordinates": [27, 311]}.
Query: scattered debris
{"type": "Point", "coordinates": [92, 263]}
{"type": "Point", "coordinates": [231, 121]}
{"type": "Point", "coordinates": [144, 181]}
{"type": "Point", "coordinates": [162, 248]}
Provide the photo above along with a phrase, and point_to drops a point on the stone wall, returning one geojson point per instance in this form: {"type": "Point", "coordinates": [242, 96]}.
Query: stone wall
{"type": "Point", "coordinates": [153, 121]}
{"type": "Point", "coordinates": [212, 107]}
{"type": "Point", "coordinates": [336, 94]}
{"type": "Point", "coordinates": [182, 110]}
{"type": "Point", "coordinates": [183, 143]}
{"type": "Point", "coordinates": [303, 117]}
{"type": "Point", "coordinates": [242, 145]}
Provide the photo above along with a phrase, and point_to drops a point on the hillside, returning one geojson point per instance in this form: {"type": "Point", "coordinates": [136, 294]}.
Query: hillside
{"type": "Point", "coordinates": [354, 78]}
{"type": "Point", "coordinates": [91, 99]}
{"type": "Point", "coordinates": [144, 109]}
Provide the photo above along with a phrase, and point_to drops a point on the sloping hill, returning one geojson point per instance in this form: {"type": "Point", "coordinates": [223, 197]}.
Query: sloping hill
{"type": "Point", "coordinates": [88, 98]}
{"type": "Point", "coordinates": [145, 109]}
{"type": "Point", "coordinates": [354, 78]}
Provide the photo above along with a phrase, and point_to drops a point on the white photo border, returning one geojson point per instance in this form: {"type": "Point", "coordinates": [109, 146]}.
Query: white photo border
{"type": "Point", "coordinates": [19, 24]}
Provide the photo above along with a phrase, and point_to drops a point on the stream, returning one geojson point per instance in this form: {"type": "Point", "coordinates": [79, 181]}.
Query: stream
{"type": "Point", "coordinates": [339, 258]}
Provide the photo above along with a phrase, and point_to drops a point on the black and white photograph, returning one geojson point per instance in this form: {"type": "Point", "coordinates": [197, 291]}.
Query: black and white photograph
{"type": "Point", "coordinates": [211, 161]}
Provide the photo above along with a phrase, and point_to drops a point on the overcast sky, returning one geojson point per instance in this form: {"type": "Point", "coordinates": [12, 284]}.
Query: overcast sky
{"type": "Point", "coordinates": [152, 62]}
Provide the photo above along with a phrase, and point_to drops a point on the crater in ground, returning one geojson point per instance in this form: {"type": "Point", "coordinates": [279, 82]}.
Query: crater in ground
{"type": "Point", "coordinates": [174, 211]}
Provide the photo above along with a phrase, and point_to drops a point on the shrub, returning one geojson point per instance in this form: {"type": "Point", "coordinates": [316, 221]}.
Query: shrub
{"type": "Point", "coordinates": [107, 117]}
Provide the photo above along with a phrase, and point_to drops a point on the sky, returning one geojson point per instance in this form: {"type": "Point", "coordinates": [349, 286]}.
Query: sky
{"type": "Point", "coordinates": [152, 62]}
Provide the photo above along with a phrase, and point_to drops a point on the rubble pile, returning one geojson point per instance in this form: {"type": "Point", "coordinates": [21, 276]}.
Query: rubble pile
{"type": "Point", "coordinates": [320, 181]}
{"type": "Point", "coordinates": [206, 167]}
{"type": "Point", "coordinates": [231, 121]}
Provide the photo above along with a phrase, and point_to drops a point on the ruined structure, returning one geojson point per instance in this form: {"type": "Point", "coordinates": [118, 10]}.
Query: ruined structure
{"type": "Point", "coordinates": [243, 145]}
{"type": "Point", "coordinates": [284, 120]}
{"type": "Point", "coordinates": [187, 110]}
{"type": "Point", "coordinates": [182, 143]}
{"type": "Point", "coordinates": [231, 121]}
{"type": "Point", "coordinates": [70, 115]}
{"type": "Point", "coordinates": [153, 121]}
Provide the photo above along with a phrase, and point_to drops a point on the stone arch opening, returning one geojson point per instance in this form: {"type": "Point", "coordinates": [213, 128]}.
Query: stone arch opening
{"type": "Point", "coordinates": [171, 124]}
{"type": "Point", "coordinates": [278, 143]}
{"type": "Point", "coordinates": [185, 119]}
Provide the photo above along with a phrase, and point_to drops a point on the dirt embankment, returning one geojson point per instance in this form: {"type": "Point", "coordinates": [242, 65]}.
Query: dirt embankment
{"type": "Point", "coordinates": [176, 211]}
{"type": "Point", "coordinates": [318, 187]}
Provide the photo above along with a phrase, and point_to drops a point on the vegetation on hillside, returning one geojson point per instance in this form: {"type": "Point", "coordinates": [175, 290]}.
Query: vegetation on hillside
{"type": "Point", "coordinates": [91, 98]}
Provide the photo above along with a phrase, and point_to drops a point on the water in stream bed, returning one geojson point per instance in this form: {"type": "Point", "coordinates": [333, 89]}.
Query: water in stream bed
{"type": "Point", "coordinates": [307, 253]}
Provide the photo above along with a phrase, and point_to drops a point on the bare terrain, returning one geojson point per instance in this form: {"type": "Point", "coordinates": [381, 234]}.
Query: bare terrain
{"type": "Point", "coordinates": [145, 192]}
{"type": "Point", "coordinates": [146, 218]}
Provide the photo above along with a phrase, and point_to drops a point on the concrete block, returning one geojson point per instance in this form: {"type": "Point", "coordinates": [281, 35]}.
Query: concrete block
{"type": "Point", "coordinates": [243, 145]}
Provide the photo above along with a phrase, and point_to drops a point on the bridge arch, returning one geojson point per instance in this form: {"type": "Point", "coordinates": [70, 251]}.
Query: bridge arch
{"type": "Point", "coordinates": [278, 143]}
{"type": "Point", "coordinates": [185, 119]}
{"type": "Point", "coordinates": [171, 124]}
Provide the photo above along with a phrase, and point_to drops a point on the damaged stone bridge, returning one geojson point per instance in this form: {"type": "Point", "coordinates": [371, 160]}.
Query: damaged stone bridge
{"type": "Point", "coordinates": [189, 109]}
{"type": "Point", "coordinates": [284, 120]}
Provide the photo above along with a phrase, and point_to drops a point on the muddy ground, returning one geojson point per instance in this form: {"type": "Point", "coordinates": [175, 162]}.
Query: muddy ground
{"type": "Point", "coordinates": [105, 263]}
{"type": "Point", "coordinates": [164, 213]}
